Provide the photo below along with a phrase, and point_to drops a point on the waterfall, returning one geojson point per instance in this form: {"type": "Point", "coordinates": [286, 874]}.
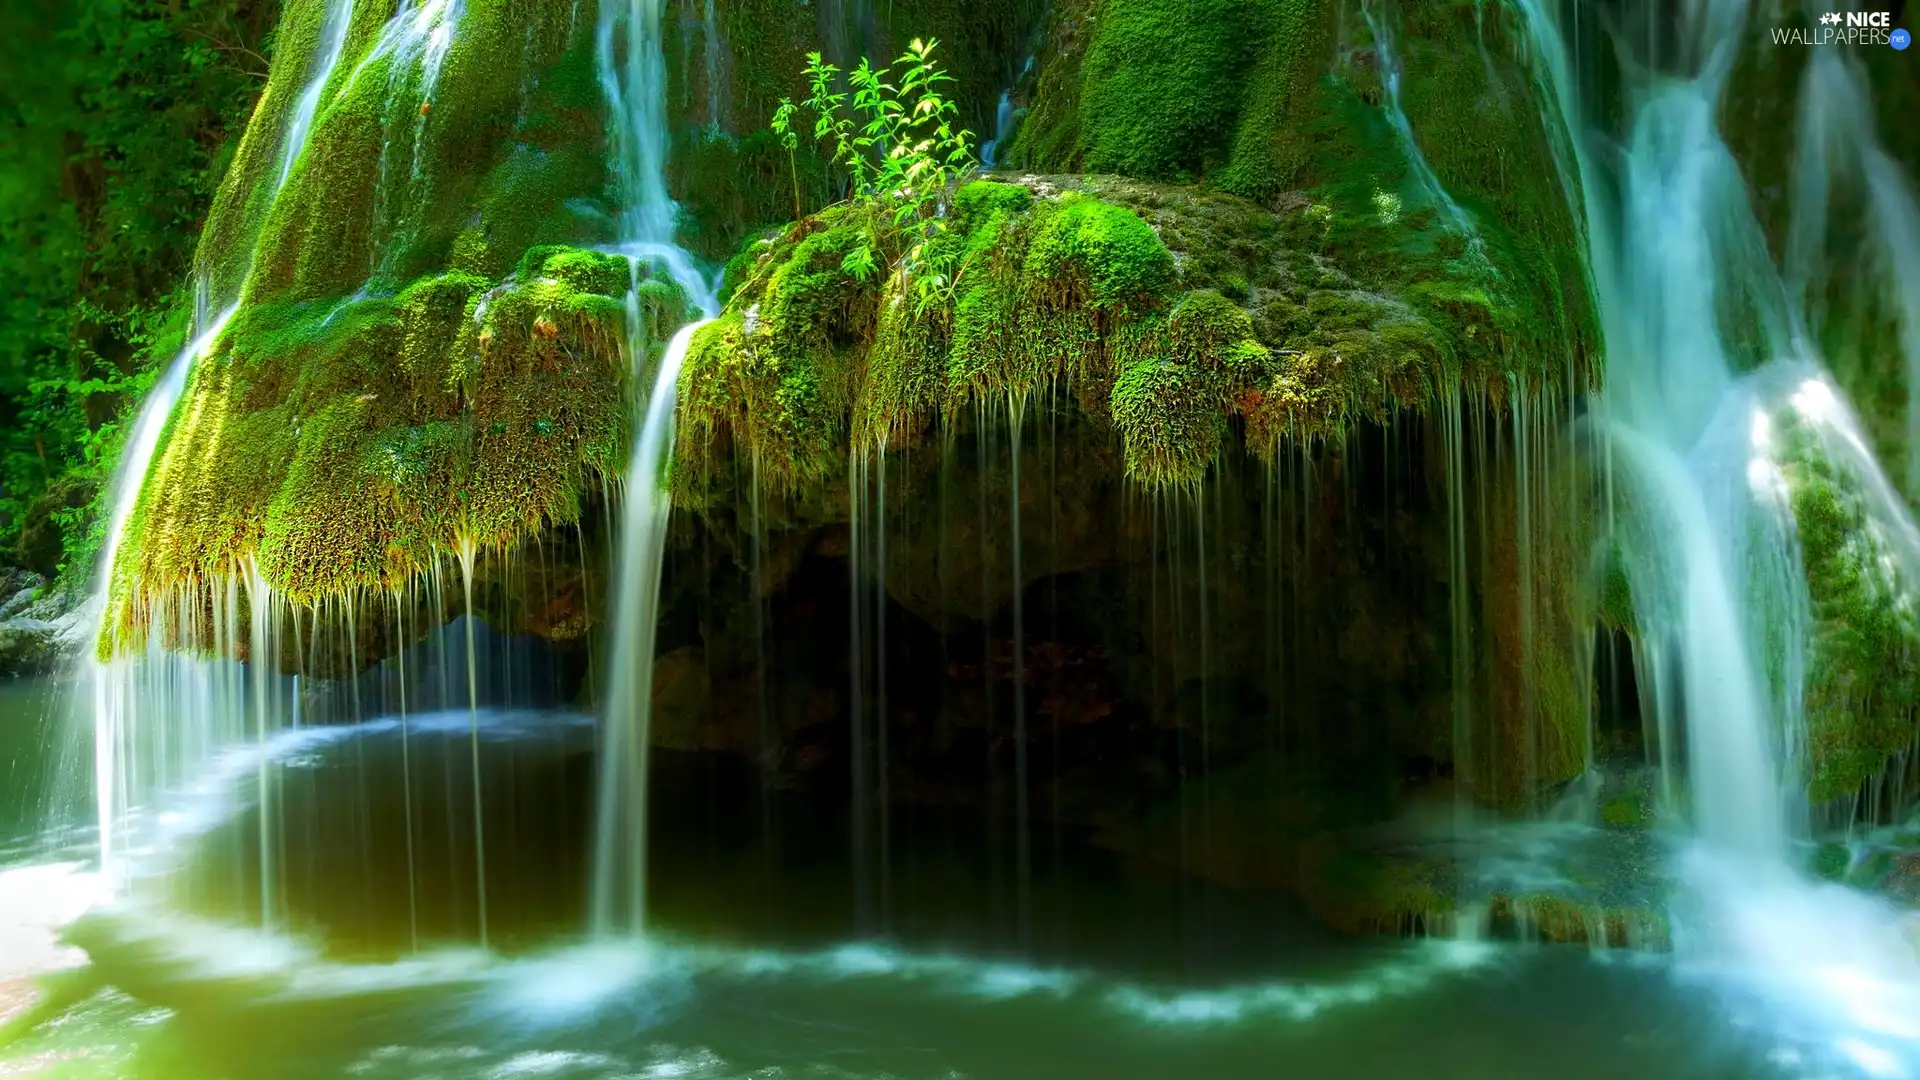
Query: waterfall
{"type": "Point", "coordinates": [1706, 358]}
{"type": "Point", "coordinates": [1003, 117]}
{"type": "Point", "coordinates": [1002, 126]}
{"type": "Point", "coordinates": [633, 74]}
{"type": "Point", "coordinates": [333, 39]}
{"type": "Point", "coordinates": [132, 755]}
{"type": "Point", "coordinates": [116, 693]}
{"type": "Point", "coordinates": [1672, 243]}
{"type": "Point", "coordinates": [620, 865]}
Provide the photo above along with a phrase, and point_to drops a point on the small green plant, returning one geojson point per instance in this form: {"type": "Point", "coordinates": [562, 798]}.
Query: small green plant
{"type": "Point", "coordinates": [902, 153]}
{"type": "Point", "coordinates": [1387, 206]}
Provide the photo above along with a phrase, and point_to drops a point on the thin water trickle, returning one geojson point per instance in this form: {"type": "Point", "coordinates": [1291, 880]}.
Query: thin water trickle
{"type": "Point", "coordinates": [712, 45]}
{"type": "Point", "coordinates": [333, 40]}
{"type": "Point", "coordinates": [468, 556]}
{"type": "Point", "coordinates": [1016, 421]}
{"type": "Point", "coordinates": [416, 40]}
{"type": "Point", "coordinates": [1388, 61]}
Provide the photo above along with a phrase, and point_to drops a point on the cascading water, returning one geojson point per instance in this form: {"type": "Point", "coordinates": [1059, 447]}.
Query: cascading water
{"type": "Point", "coordinates": [415, 41]}
{"type": "Point", "coordinates": [1004, 115]}
{"type": "Point", "coordinates": [1002, 127]}
{"type": "Point", "coordinates": [117, 688]}
{"type": "Point", "coordinates": [121, 685]}
{"type": "Point", "coordinates": [1683, 275]}
{"type": "Point", "coordinates": [633, 75]}
{"type": "Point", "coordinates": [333, 39]}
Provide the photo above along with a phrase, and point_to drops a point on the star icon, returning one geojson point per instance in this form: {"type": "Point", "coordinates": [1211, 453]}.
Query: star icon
{"type": "Point", "coordinates": [1832, 18]}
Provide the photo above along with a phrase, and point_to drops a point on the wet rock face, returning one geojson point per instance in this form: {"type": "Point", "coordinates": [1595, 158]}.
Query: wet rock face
{"type": "Point", "coordinates": [1208, 683]}
{"type": "Point", "coordinates": [27, 650]}
{"type": "Point", "coordinates": [37, 624]}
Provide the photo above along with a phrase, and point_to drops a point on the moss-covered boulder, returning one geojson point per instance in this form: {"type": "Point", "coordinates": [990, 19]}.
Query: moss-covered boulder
{"type": "Point", "coordinates": [1858, 549]}
{"type": "Point", "coordinates": [1174, 316]}
{"type": "Point", "coordinates": [342, 448]}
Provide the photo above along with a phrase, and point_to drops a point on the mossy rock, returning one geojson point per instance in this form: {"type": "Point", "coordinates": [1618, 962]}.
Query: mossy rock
{"type": "Point", "coordinates": [1863, 677]}
{"type": "Point", "coordinates": [1282, 100]}
{"type": "Point", "coordinates": [1173, 315]}
{"type": "Point", "coordinates": [1362, 892]}
{"type": "Point", "coordinates": [342, 448]}
{"type": "Point", "coordinates": [1359, 889]}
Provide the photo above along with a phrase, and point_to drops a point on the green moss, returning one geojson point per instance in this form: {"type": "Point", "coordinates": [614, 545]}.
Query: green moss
{"type": "Point", "coordinates": [1099, 254]}
{"type": "Point", "coordinates": [246, 191]}
{"type": "Point", "coordinates": [1863, 678]}
{"type": "Point", "coordinates": [773, 376]}
{"type": "Point", "coordinates": [396, 184]}
{"type": "Point", "coordinates": [1364, 892]}
{"type": "Point", "coordinates": [1110, 292]}
{"type": "Point", "coordinates": [343, 446]}
{"type": "Point", "coordinates": [1274, 145]}
{"type": "Point", "coordinates": [1176, 386]}
{"type": "Point", "coordinates": [1158, 86]}
{"type": "Point", "coordinates": [1293, 109]}
{"type": "Point", "coordinates": [1616, 593]}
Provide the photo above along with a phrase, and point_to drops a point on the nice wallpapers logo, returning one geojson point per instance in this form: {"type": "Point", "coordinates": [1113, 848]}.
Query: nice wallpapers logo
{"type": "Point", "coordinates": [1846, 28]}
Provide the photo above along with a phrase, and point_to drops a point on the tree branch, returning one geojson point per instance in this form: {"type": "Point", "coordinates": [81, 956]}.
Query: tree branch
{"type": "Point", "coordinates": [232, 49]}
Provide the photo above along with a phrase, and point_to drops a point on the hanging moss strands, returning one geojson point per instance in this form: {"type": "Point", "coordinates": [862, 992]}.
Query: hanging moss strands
{"type": "Point", "coordinates": [1175, 315]}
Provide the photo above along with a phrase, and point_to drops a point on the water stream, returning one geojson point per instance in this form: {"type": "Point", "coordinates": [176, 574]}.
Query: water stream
{"type": "Point", "coordinates": [632, 66]}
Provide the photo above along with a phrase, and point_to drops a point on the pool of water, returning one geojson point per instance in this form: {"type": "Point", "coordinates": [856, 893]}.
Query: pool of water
{"type": "Point", "coordinates": [754, 966]}
{"type": "Point", "coordinates": [193, 1001]}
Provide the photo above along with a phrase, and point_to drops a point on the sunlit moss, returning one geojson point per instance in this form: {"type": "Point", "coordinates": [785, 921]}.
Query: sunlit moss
{"type": "Point", "coordinates": [343, 445]}
{"type": "Point", "coordinates": [1113, 292]}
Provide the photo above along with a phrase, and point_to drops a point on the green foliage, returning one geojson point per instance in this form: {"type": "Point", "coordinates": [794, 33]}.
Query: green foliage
{"type": "Point", "coordinates": [902, 152]}
{"type": "Point", "coordinates": [120, 119]}
{"type": "Point", "coordinates": [1120, 257]}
